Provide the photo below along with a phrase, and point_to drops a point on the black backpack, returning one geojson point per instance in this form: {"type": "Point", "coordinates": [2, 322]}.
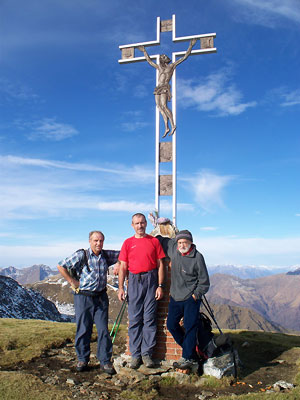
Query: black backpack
{"type": "Point", "coordinates": [74, 273]}
{"type": "Point", "coordinates": [204, 335]}
{"type": "Point", "coordinates": [210, 346]}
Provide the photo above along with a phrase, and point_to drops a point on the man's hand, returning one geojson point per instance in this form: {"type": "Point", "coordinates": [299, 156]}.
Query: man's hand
{"type": "Point", "coordinates": [74, 285]}
{"type": "Point", "coordinates": [121, 295]}
{"type": "Point", "coordinates": [159, 294]}
{"type": "Point", "coordinates": [194, 297]}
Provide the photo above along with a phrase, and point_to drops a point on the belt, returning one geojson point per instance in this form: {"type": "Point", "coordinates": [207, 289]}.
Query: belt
{"type": "Point", "coordinates": [92, 294]}
{"type": "Point", "coordinates": [140, 274]}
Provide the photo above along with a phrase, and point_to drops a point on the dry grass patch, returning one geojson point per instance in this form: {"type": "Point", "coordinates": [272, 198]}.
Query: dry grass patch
{"type": "Point", "coordinates": [23, 340]}
{"type": "Point", "coordinates": [20, 386]}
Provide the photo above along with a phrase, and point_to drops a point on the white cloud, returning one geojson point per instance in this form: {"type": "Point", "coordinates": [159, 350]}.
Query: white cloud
{"type": "Point", "coordinates": [35, 188]}
{"type": "Point", "coordinates": [291, 99]}
{"type": "Point", "coordinates": [51, 254]}
{"type": "Point", "coordinates": [133, 126]}
{"type": "Point", "coordinates": [208, 228]}
{"type": "Point", "coordinates": [124, 205]}
{"type": "Point", "coordinates": [25, 256]}
{"type": "Point", "coordinates": [131, 206]}
{"type": "Point", "coordinates": [245, 251]}
{"type": "Point", "coordinates": [284, 96]}
{"type": "Point", "coordinates": [215, 94]}
{"type": "Point", "coordinates": [135, 173]}
{"type": "Point", "coordinates": [32, 188]}
{"type": "Point", "coordinates": [134, 120]}
{"type": "Point", "coordinates": [47, 129]}
{"type": "Point", "coordinates": [220, 250]}
{"type": "Point", "coordinates": [12, 91]}
{"type": "Point", "coordinates": [266, 12]}
{"type": "Point", "coordinates": [208, 188]}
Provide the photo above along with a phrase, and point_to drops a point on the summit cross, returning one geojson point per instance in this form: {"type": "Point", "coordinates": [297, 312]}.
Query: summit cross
{"type": "Point", "coordinates": [165, 185]}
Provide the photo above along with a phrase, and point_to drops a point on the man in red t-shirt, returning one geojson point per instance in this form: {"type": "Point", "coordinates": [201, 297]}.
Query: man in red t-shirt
{"type": "Point", "coordinates": [142, 256]}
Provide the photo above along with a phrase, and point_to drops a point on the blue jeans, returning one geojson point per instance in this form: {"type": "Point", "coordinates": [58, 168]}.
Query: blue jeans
{"type": "Point", "coordinates": [187, 337]}
{"type": "Point", "coordinates": [87, 311]}
{"type": "Point", "coordinates": [142, 313]}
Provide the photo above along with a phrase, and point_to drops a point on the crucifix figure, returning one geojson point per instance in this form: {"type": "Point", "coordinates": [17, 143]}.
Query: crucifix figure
{"type": "Point", "coordinates": [165, 184]}
{"type": "Point", "coordinates": [162, 91]}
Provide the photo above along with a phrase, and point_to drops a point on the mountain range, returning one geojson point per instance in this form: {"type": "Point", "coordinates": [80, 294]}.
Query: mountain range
{"type": "Point", "coordinates": [38, 272]}
{"type": "Point", "coordinates": [35, 273]}
{"type": "Point", "coordinates": [276, 297]}
{"type": "Point", "coordinates": [248, 272]}
{"type": "Point", "coordinates": [268, 303]}
{"type": "Point", "coordinates": [57, 290]}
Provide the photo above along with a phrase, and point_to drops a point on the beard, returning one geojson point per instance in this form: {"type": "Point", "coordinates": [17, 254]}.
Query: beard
{"type": "Point", "coordinates": [184, 249]}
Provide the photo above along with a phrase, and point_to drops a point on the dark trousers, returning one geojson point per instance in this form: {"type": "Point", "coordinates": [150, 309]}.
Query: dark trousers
{"type": "Point", "coordinates": [142, 313]}
{"type": "Point", "coordinates": [187, 337]}
{"type": "Point", "coordinates": [87, 311]}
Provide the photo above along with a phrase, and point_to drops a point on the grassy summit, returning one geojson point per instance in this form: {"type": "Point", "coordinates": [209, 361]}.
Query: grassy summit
{"type": "Point", "coordinates": [37, 362]}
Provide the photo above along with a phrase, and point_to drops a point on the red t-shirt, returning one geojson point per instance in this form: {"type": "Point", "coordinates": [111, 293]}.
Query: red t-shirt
{"type": "Point", "coordinates": [141, 254]}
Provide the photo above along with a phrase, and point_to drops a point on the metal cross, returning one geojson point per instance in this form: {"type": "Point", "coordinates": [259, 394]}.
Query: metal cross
{"type": "Point", "coordinates": [165, 185]}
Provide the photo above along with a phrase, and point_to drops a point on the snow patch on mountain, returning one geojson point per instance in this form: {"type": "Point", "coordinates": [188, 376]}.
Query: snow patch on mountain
{"type": "Point", "coordinates": [247, 272]}
{"type": "Point", "coordinates": [19, 302]}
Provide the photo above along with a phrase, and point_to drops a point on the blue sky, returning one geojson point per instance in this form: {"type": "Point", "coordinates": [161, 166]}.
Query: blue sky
{"type": "Point", "coordinates": [77, 128]}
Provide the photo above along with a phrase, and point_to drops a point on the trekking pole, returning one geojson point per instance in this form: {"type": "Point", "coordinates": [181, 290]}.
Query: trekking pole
{"type": "Point", "coordinates": [118, 321]}
{"type": "Point", "coordinates": [124, 307]}
{"type": "Point", "coordinates": [210, 312]}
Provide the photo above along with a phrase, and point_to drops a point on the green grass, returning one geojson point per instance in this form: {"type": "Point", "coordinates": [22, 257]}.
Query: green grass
{"type": "Point", "coordinates": [144, 391]}
{"type": "Point", "coordinates": [268, 346]}
{"type": "Point", "coordinates": [264, 347]}
{"type": "Point", "coordinates": [23, 340]}
{"type": "Point", "coordinates": [17, 386]}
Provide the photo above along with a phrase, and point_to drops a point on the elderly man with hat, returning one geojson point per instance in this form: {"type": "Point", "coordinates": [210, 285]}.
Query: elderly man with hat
{"type": "Point", "coordinates": [189, 281]}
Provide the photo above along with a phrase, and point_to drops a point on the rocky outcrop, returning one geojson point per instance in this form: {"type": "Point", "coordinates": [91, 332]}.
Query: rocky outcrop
{"type": "Point", "coordinates": [22, 303]}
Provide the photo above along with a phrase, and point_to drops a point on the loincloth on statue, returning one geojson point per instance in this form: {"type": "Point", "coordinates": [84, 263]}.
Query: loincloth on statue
{"type": "Point", "coordinates": [162, 89]}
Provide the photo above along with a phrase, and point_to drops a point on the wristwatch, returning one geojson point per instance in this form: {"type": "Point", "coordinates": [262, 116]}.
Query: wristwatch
{"type": "Point", "coordinates": [161, 285]}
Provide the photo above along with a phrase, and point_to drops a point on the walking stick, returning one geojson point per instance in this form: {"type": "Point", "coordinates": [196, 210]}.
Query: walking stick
{"type": "Point", "coordinates": [118, 321]}
{"type": "Point", "coordinates": [210, 312]}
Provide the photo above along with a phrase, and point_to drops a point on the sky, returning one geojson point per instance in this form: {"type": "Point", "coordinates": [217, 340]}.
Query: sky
{"type": "Point", "coordinates": [77, 129]}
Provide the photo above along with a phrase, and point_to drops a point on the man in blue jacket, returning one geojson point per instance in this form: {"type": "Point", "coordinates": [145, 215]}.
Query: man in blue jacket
{"type": "Point", "coordinates": [189, 281]}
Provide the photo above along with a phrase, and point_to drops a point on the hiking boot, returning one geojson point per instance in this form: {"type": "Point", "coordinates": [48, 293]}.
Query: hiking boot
{"type": "Point", "coordinates": [147, 361]}
{"type": "Point", "coordinates": [183, 363]}
{"type": "Point", "coordinates": [108, 368]}
{"type": "Point", "coordinates": [135, 362]}
{"type": "Point", "coordinates": [81, 366]}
